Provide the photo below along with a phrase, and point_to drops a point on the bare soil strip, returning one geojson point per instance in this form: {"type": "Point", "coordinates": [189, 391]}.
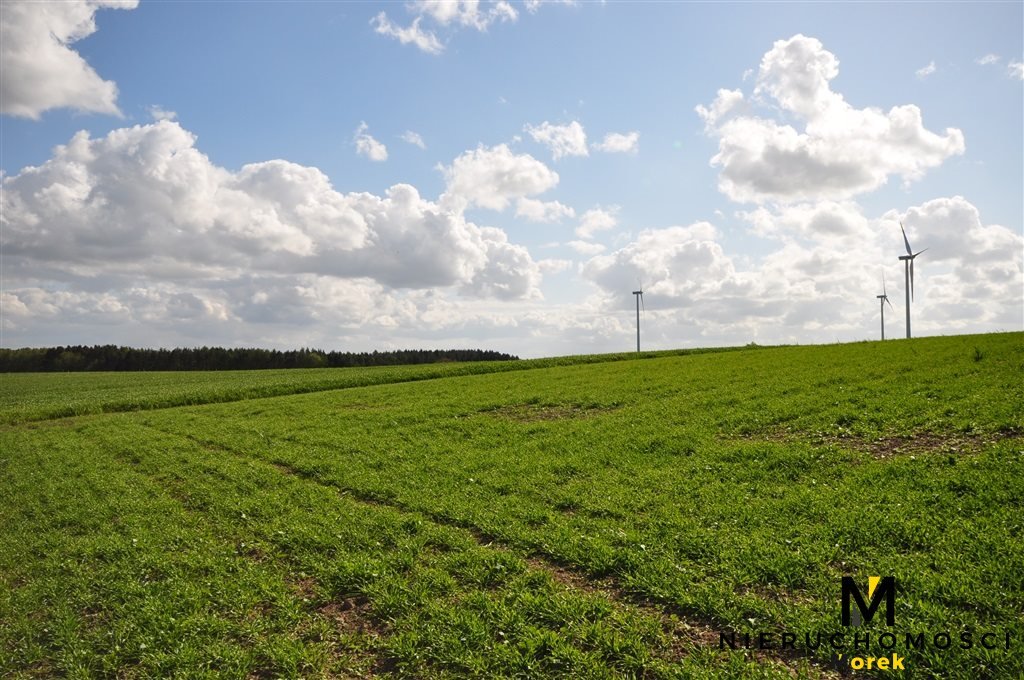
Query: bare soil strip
{"type": "Point", "coordinates": [884, 448]}
{"type": "Point", "coordinates": [532, 413]}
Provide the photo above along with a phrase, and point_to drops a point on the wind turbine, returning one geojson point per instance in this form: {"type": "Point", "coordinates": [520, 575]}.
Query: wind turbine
{"type": "Point", "coordinates": [639, 294]}
{"type": "Point", "coordinates": [908, 269]}
{"type": "Point", "coordinates": [883, 298]}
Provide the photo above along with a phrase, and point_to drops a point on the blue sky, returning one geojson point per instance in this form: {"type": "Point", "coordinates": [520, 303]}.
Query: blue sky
{"type": "Point", "coordinates": [782, 237]}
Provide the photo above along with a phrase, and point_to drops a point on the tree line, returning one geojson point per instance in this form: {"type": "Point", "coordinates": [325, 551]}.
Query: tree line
{"type": "Point", "coordinates": [114, 358]}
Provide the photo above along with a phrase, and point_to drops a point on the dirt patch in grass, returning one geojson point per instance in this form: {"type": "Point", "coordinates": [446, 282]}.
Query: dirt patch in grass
{"type": "Point", "coordinates": [534, 413]}
{"type": "Point", "coordinates": [884, 448]}
{"type": "Point", "coordinates": [930, 442]}
{"type": "Point", "coordinates": [776, 593]}
{"type": "Point", "coordinates": [352, 615]}
{"type": "Point", "coordinates": [573, 580]}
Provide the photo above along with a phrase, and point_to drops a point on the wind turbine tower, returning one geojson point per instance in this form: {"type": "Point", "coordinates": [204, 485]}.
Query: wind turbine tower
{"type": "Point", "coordinates": [639, 295]}
{"type": "Point", "coordinates": [883, 299]}
{"type": "Point", "coordinates": [908, 269]}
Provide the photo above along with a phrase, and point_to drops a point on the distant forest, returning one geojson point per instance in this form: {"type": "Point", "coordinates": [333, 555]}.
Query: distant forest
{"type": "Point", "coordinates": [112, 358]}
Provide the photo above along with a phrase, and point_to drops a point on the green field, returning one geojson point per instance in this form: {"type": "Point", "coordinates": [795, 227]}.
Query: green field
{"type": "Point", "coordinates": [580, 517]}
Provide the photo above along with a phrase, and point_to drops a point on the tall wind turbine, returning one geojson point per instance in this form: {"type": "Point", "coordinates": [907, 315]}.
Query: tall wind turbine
{"type": "Point", "coordinates": [639, 294]}
{"type": "Point", "coordinates": [908, 269]}
{"type": "Point", "coordinates": [883, 299]}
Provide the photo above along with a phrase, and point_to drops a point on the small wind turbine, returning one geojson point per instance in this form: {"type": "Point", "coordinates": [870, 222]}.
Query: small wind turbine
{"type": "Point", "coordinates": [908, 269]}
{"type": "Point", "coordinates": [639, 294]}
{"type": "Point", "coordinates": [883, 299]}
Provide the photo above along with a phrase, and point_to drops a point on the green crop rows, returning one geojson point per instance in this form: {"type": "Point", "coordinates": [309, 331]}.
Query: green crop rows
{"type": "Point", "coordinates": [587, 517]}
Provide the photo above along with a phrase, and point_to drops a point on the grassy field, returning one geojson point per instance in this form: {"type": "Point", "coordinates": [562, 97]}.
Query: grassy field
{"type": "Point", "coordinates": [582, 517]}
{"type": "Point", "coordinates": [45, 396]}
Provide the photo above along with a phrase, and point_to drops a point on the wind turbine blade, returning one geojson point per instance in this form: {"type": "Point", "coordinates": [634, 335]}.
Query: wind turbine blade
{"type": "Point", "coordinates": [886, 298]}
{"type": "Point", "coordinates": [911, 278]}
{"type": "Point", "coordinates": [883, 286]}
{"type": "Point", "coordinates": [905, 241]}
{"type": "Point", "coordinates": [918, 253]}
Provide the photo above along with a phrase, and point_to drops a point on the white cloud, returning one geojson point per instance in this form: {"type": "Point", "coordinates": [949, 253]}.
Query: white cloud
{"type": "Point", "coordinates": [533, 5]}
{"type": "Point", "coordinates": [465, 13]}
{"type": "Point", "coordinates": [725, 102]}
{"type": "Point", "coordinates": [668, 263]}
{"type": "Point", "coordinates": [597, 219]}
{"type": "Point", "coordinates": [1015, 69]}
{"type": "Point", "coordinates": [971, 277]}
{"type": "Point", "coordinates": [615, 142]}
{"type": "Point", "coordinates": [840, 152]}
{"type": "Point", "coordinates": [491, 177]}
{"type": "Point", "coordinates": [541, 211]}
{"type": "Point", "coordinates": [554, 265]}
{"type": "Point", "coordinates": [159, 113]}
{"type": "Point", "coordinates": [826, 221]}
{"type": "Point", "coordinates": [586, 247]}
{"type": "Point", "coordinates": [449, 14]}
{"type": "Point", "coordinates": [413, 138]}
{"type": "Point", "coordinates": [510, 273]}
{"type": "Point", "coordinates": [142, 207]}
{"type": "Point", "coordinates": [137, 235]}
{"type": "Point", "coordinates": [562, 140]}
{"type": "Point", "coordinates": [367, 146]}
{"type": "Point", "coordinates": [954, 232]}
{"type": "Point", "coordinates": [925, 71]}
{"type": "Point", "coordinates": [412, 34]}
{"type": "Point", "coordinates": [41, 71]}
{"type": "Point", "coordinates": [820, 284]}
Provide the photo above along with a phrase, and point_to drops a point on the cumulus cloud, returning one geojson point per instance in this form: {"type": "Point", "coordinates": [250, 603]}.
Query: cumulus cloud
{"type": "Point", "coordinates": [616, 142]}
{"type": "Point", "coordinates": [511, 273]}
{"type": "Point", "coordinates": [41, 70]}
{"type": "Point", "coordinates": [597, 219]}
{"type": "Point", "coordinates": [824, 221]}
{"type": "Point", "coordinates": [492, 177]}
{"type": "Point", "coordinates": [543, 211]}
{"type": "Point", "coordinates": [143, 209]}
{"type": "Point", "coordinates": [1014, 69]}
{"type": "Point", "coordinates": [160, 113]}
{"type": "Point", "coordinates": [725, 102]}
{"type": "Point", "coordinates": [367, 146]}
{"type": "Point", "coordinates": [466, 13]}
{"type": "Point", "coordinates": [925, 71]}
{"type": "Point", "coordinates": [554, 265]}
{"type": "Point", "coordinates": [955, 233]}
{"type": "Point", "coordinates": [533, 5]}
{"type": "Point", "coordinates": [562, 140]}
{"type": "Point", "coordinates": [820, 283]}
{"type": "Point", "coordinates": [972, 276]}
{"type": "Point", "coordinates": [668, 263]}
{"type": "Point", "coordinates": [412, 34]}
{"type": "Point", "coordinates": [413, 138]}
{"type": "Point", "coordinates": [450, 14]}
{"type": "Point", "coordinates": [586, 247]}
{"type": "Point", "coordinates": [839, 152]}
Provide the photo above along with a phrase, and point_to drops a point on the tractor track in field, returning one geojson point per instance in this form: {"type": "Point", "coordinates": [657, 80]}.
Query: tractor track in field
{"type": "Point", "coordinates": [891, 446]}
{"type": "Point", "coordinates": [350, 615]}
{"type": "Point", "coordinates": [685, 630]}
